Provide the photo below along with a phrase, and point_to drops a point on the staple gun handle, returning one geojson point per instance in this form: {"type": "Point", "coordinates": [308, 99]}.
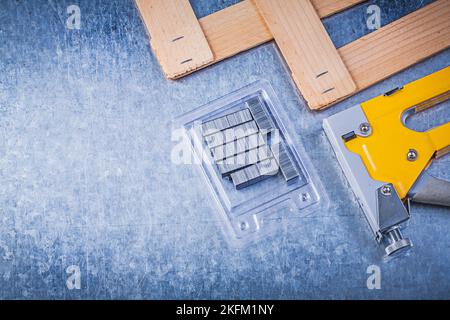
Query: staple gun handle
{"type": "Point", "coordinates": [391, 151]}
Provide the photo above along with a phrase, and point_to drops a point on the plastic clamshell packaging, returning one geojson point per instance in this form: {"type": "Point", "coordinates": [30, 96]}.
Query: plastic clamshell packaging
{"type": "Point", "coordinates": [260, 178]}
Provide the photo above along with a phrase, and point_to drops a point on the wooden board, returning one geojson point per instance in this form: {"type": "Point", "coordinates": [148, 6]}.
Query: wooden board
{"type": "Point", "coordinates": [326, 8]}
{"type": "Point", "coordinates": [235, 29]}
{"type": "Point", "coordinates": [316, 66]}
{"type": "Point", "coordinates": [418, 42]}
{"type": "Point", "coordinates": [369, 60]}
{"type": "Point", "coordinates": [176, 36]}
{"type": "Point", "coordinates": [240, 27]}
{"type": "Point", "coordinates": [399, 44]}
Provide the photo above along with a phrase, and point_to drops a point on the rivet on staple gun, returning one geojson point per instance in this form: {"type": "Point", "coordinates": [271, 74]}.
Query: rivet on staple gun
{"type": "Point", "coordinates": [385, 162]}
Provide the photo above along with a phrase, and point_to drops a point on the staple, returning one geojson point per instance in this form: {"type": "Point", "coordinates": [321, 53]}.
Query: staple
{"type": "Point", "coordinates": [224, 151]}
{"type": "Point", "coordinates": [259, 154]}
{"type": "Point", "coordinates": [239, 146]}
{"type": "Point", "coordinates": [230, 165]}
{"type": "Point", "coordinates": [253, 157]}
{"type": "Point", "coordinates": [242, 145]}
{"type": "Point", "coordinates": [185, 61]}
{"type": "Point", "coordinates": [221, 123]}
{"type": "Point", "coordinates": [254, 173]}
{"type": "Point", "coordinates": [254, 141]}
{"type": "Point", "coordinates": [245, 177]}
{"type": "Point", "coordinates": [259, 114]}
{"type": "Point", "coordinates": [178, 38]}
{"type": "Point", "coordinates": [321, 74]}
{"type": "Point", "coordinates": [268, 167]}
{"type": "Point", "coordinates": [232, 134]}
{"type": "Point", "coordinates": [244, 116]}
{"type": "Point", "coordinates": [232, 119]}
{"type": "Point", "coordinates": [251, 128]}
{"type": "Point", "coordinates": [243, 130]}
{"type": "Point", "coordinates": [226, 169]}
{"type": "Point", "coordinates": [253, 102]}
{"type": "Point", "coordinates": [209, 128]}
{"type": "Point", "coordinates": [243, 160]}
{"type": "Point", "coordinates": [239, 179]}
{"type": "Point", "coordinates": [241, 151]}
{"type": "Point", "coordinates": [215, 139]}
{"type": "Point", "coordinates": [215, 125]}
{"type": "Point", "coordinates": [287, 167]}
{"type": "Point", "coordinates": [226, 122]}
{"type": "Point", "coordinates": [328, 90]}
{"type": "Point", "coordinates": [239, 117]}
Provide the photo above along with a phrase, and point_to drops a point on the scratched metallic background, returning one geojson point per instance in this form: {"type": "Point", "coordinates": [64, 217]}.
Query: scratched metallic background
{"type": "Point", "coordinates": [86, 177]}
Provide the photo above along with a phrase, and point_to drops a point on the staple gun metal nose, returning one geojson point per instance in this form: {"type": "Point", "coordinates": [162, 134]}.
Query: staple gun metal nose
{"type": "Point", "coordinates": [385, 162]}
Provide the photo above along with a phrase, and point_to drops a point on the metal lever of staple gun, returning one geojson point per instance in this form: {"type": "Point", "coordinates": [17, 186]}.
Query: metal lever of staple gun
{"type": "Point", "coordinates": [385, 162]}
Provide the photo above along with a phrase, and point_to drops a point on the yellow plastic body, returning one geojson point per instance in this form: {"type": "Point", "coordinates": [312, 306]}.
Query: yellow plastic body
{"type": "Point", "coordinates": [385, 151]}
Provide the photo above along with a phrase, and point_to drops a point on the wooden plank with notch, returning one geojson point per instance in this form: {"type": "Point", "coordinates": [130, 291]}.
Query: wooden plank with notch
{"type": "Point", "coordinates": [176, 36]}
{"type": "Point", "coordinates": [315, 64]}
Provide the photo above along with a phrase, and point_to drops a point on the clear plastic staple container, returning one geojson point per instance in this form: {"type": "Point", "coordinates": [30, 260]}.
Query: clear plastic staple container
{"type": "Point", "coordinates": [258, 174]}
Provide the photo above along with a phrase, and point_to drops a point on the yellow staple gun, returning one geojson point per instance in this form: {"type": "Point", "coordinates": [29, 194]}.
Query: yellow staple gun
{"type": "Point", "coordinates": [385, 162]}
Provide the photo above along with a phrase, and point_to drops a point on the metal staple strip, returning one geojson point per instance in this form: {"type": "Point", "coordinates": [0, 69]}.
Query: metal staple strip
{"type": "Point", "coordinates": [232, 134]}
{"type": "Point", "coordinates": [254, 173]}
{"type": "Point", "coordinates": [226, 122]}
{"type": "Point", "coordinates": [259, 114]}
{"type": "Point", "coordinates": [239, 146]}
{"type": "Point", "coordinates": [287, 167]}
{"type": "Point", "coordinates": [243, 160]}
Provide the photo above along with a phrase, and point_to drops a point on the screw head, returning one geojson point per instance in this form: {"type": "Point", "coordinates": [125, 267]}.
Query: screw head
{"type": "Point", "coordinates": [386, 190]}
{"type": "Point", "coordinates": [412, 155]}
{"type": "Point", "coordinates": [364, 128]}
